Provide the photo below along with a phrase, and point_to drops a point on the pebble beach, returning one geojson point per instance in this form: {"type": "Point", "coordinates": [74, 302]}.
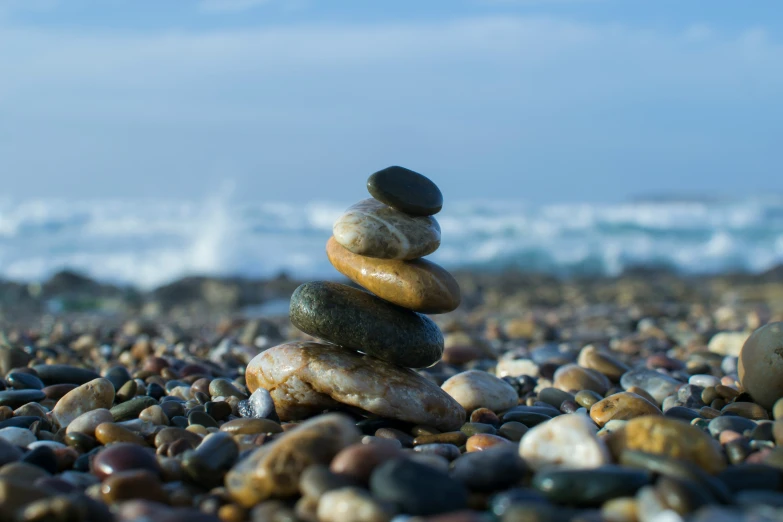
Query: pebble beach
{"type": "Point", "coordinates": [399, 392]}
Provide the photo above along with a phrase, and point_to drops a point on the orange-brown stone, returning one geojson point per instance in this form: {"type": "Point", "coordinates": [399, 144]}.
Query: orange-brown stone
{"type": "Point", "coordinates": [418, 285]}
{"type": "Point", "coordinates": [622, 406]}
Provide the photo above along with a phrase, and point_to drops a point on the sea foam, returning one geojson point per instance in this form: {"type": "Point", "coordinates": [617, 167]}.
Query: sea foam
{"type": "Point", "coordinates": [151, 242]}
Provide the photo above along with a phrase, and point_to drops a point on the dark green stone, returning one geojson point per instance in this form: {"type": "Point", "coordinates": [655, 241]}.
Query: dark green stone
{"type": "Point", "coordinates": [200, 417]}
{"type": "Point", "coordinates": [130, 410]}
{"type": "Point", "coordinates": [590, 487]}
{"type": "Point", "coordinates": [406, 191]}
{"type": "Point", "coordinates": [355, 319]}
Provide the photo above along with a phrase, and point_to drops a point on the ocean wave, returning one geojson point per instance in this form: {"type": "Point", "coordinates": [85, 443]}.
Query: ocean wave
{"type": "Point", "coordinates": [151, 242]}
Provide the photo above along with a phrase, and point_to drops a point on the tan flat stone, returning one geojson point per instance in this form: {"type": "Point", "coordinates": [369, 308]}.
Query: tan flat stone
{"type": "Point", "coordinates": [305, 378]}
{"type": "Point", "coordinates": [418, 285]}
{"type": "Point", "coordinates": [622, 406]}
{"type": "Point", "coordinates": [274, 469]}
{"type": "Point", "coordinates": [370, 228]}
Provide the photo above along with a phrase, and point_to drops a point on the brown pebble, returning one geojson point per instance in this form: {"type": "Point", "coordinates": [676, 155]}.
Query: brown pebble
{"type": "Point", "coordinates": [133, 485]}
{"type": "Point", "coordinates": [748, 410]}
{"type": "Point", "coordinates": [482, 441]}
{"type": "Point", "coordinates": [359, 460]}
{"type": "Point", "coordinates": [642, 393]}
{"type": "Point", "coordinates": [170, 435]}
{"type": "Point", "coordinates": [727, 436]}
{"type": "Point", "coordinates": [124, 457]}
{"type": "Point", "coordinates": [485, 416]}
{"type": "Point", "coordinates": [708, 395]}
{"type": "Point", "coordinates": [726, 392]}
{"type": "Point", "coordinates": [58, 391]}
{"type": "Point", "coordinates": [109, 432]}
{"type": "Point", "coordinates": [453, 437]}
{"type": "Point", "coordinates": [6, 413]}
{"type": "Point", "coordinates": [424, 430]}
{"type": "Point", "coordinates": [251, 427]}
{"type": "Point", "coordinates": [708, 413]}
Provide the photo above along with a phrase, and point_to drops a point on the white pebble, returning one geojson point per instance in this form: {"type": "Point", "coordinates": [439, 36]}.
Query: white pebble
{"type": "Point", "coordinates": [703, 380]}
{"type": "Point", "coordinates": [18, 436]}
{"type": "Point", "coordinates": [567, 441]}
{"type": "Point", "coordinates": [48, 443]}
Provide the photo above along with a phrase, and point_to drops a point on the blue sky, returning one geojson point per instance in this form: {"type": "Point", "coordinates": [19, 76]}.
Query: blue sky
{"type": "Point", "coordinates": [539, 100]}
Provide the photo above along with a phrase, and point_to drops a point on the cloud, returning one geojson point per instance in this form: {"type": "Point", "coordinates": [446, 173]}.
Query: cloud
{"type": "Point", "coordinates": [537, 107]}
{"type": "Point", "coordinates": [230, 6]}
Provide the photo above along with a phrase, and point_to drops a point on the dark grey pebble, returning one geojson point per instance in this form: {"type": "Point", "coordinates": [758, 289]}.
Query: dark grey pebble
{"type": "Point", "coordinates": [117, 376]}
{"type": "Point", "coordinates": [64, 374]}
{"type": "Point", "coordinates": [557, 353]}
{"type": "Point", "coordinates": [155, 390]}
{"type": "Point", "coordinates": [24, 421]}
{"type": "Point", "coordinates": [208, 463]}
{"type": "Point", "coordinates": [16, 398]}
{"type": "Point", "coordinates": [682, 413]}
{"type": "Point", "coordinates": [500, 503]}
{"type": "Point", "coordinates": [8, 452]}
{"type": "Point", "coordinates": [24, 381]}
{"type": "Point", "coordinates": [43, 457]}
{"type": "Point", "coordinates": [752, 476]}
{"type": "Point", "coordinates": [529, 419]}
{"type": "Point", "coordinates": [683, 495]}
{"type": "Point", "coordinates": [751, 498]}
{"type": "Point", "coordinates": [589, 487]}
{"type": "Point", "coordinates": [361, 321]}
{"type": "Point", "coordinates": [764, 431]}
{"type": "Point", "coordinates": [11, 358]}
{"type": "Point", "coordinates": [130, 409]}
{"type": "Point", "coordinates": [554, 397]}
{"type": "Point", "coordinates": [417, 489]}
{"type": "Point", "coordinates": [406, 191]}
{"type": "Point", "coordinates": [494, 469]}
{"type": "Point", "coordinates": [202, 418]}
{"type": "Point", "coordinates": [730, 422]}
{"type": "Point", "coordinates": [318, 479]}
{"type": "Point", "coordinates": [172, 408]}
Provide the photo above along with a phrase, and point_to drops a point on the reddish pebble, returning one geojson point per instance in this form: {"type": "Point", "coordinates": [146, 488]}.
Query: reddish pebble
{"type": "Point", "coordinates": [124, 457]}
{"type": "Point", "coordinates": [759, 457]}
{"type": "Point", "coordinates": [485, 416]}
{"type": "Point", "coordinates": [727, 436]}
{"type": "Point", "coordinates": [482, 441]}
{"type": "Point", "coordinates": [359, 460]}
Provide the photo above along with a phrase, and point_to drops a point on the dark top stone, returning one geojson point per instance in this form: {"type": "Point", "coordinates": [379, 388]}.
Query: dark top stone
{"type": "Point", "coordinates": [417, 489]}
{"type": "Point", "coordinates": [117, 376]}
{"type": "Point", "coordinates": [406, 191]}
{"type": "Point", "coordinates": [590, 487]}
{"type": "Point", "coordinates": [64, 374]}
{"type": "Point", "coordinates": [494, 469]}
{"type": "Point", "coordinates": [16, 398]}
{"type": "Point", "coordinates": [360, 321]}
{"type": "Point", "coordinates": [730, 422]}
{"type": "Point", "coordinates": [24, 381]}
{"type": "Point", "coordinates": [124, 456]}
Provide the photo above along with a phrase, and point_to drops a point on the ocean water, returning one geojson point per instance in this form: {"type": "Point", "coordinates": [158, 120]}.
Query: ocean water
{"type": "Point", "coordinates": [151, 242]}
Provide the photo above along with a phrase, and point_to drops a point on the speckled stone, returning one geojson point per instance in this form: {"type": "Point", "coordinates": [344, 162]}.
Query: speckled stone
{"type": "Point", "coordinates": [274, 469]}
{"type": "Point", "coordinates": [370, 228]}
{"type": "Point", "coordinates": [669, 437]}
{"type": "Point", "coordinates": [475, 389]}
{"type": "Point", "coordinates": [360, 321]}
{"type": "Point", "coordinates": [305, 378]}
{"type": "Point", "coordinates": [93, 395]}
{"type": "Point", "coordinates": [406, 191]}
{"type": "Point", "coordinates": [761, 364]}
{"type": "Point", "coordinates": [567, 440]}
{"type": "Point", "coordinates": [419, 285]}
